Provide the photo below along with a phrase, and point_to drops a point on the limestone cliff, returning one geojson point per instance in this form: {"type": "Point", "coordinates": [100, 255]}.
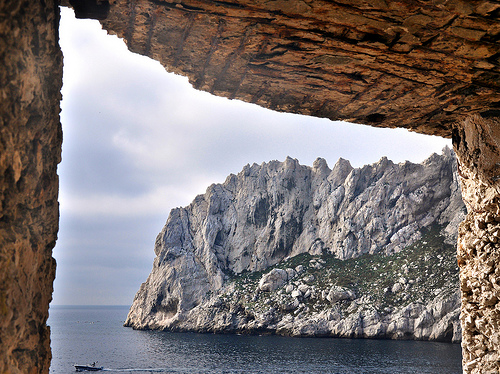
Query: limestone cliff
{"type": "Point", "coordinates": [296, 228]}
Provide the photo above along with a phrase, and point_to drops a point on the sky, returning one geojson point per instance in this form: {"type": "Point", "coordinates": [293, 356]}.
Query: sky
{"type": "Point", "coordinates": [138, 141]}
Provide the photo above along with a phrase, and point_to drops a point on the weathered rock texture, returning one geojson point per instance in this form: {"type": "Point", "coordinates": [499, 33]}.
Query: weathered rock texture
{"type": "Point", "coordinates": [30, 146]}
{"type": "Point", "coordinates": [276, 211]}
{"type": "Point", "coordinates": [477, 143]}
{"type": "Point", "coordinates": [409, 295]}
{"type": "Point", "coordinates": [418, 64]}
{"type": "Point", "coordinates": [422, 65]}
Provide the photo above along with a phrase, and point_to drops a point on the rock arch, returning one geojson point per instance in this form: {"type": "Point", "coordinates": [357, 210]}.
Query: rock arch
{"type": "Point", "coordinates": [428, 66]}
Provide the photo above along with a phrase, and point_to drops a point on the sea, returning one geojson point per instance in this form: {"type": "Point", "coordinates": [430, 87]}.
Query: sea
{"type": "Point", "coordinates": [86, 334]}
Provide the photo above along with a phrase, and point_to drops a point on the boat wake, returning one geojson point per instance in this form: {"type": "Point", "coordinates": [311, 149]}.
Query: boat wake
{"type": "Point", "coordinates": [140, 370]}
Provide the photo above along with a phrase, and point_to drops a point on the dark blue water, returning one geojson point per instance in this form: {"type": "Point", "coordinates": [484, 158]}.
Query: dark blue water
{"type": "Point", "coordinates": [87, 334]}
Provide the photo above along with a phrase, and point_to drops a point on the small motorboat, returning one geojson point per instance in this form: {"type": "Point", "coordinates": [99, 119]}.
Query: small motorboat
{"type": "Point", "coordinates": [91, 367]}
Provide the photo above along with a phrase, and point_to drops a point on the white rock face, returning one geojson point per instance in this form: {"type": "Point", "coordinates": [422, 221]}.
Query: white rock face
{"type": "Point", "coordinates": [273, 280]}
{"type": "Point", "coordinates": [339, 294]}
{"type": "Point", "coordinates": [278, 210]}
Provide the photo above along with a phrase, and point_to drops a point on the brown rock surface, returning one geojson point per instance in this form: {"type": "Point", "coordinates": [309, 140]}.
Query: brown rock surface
{"type": "Point", "coordinates": [476, 143]}
{"type": "Point", "coordinates": [422, 65]}
{"type": "Point", "coordinates": [30, 146]}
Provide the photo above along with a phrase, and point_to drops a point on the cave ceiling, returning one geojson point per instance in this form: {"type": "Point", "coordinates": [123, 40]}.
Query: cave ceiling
{"type": "Point", "coordinates": [421, 65]}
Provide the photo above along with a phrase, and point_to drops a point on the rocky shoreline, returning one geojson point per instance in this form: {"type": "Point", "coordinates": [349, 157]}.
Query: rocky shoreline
{"type": "Point", "coordinates": [287, 249]}
{"type": "Point", "coordinates": [375, 296]}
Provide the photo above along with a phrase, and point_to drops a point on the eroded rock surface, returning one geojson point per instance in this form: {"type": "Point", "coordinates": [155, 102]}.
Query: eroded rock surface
{"type": "Point", "coordinates": [30, 148]}
{"type": "Point", "coordinates": [477, 142]}
{"type": "Point", "coordinates": [409, 295]}
{"type": "Point", "coordinates": [422, 65]}
{"type": "Point", "coordinates": [270, 213]}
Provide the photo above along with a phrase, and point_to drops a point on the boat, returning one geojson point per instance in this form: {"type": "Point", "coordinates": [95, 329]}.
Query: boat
{"type": "Point", "coordinates": [91, 367]}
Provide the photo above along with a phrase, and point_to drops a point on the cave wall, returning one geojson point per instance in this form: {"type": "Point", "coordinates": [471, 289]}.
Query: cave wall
{"type": "Point", "coordinates": [428, 66]}
{"type": "Point", "coordinates": [476, 142]}
{"type": "Point", "coordinates": [422, 65]}
{"type": "Point", "coordinates": [30, 148]}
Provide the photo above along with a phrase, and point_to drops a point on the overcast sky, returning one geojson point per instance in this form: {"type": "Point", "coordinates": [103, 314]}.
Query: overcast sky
{"type": "Point", "coordinates": [139, 141]}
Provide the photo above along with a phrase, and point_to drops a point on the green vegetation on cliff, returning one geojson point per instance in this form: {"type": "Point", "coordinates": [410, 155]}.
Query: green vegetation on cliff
{"type": "Point", "coordinates": [417, 274]}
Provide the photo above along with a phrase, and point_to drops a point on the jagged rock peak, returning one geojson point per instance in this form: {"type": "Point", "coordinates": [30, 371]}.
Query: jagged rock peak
{"type": "Point", "coordinates": [278, 210]}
